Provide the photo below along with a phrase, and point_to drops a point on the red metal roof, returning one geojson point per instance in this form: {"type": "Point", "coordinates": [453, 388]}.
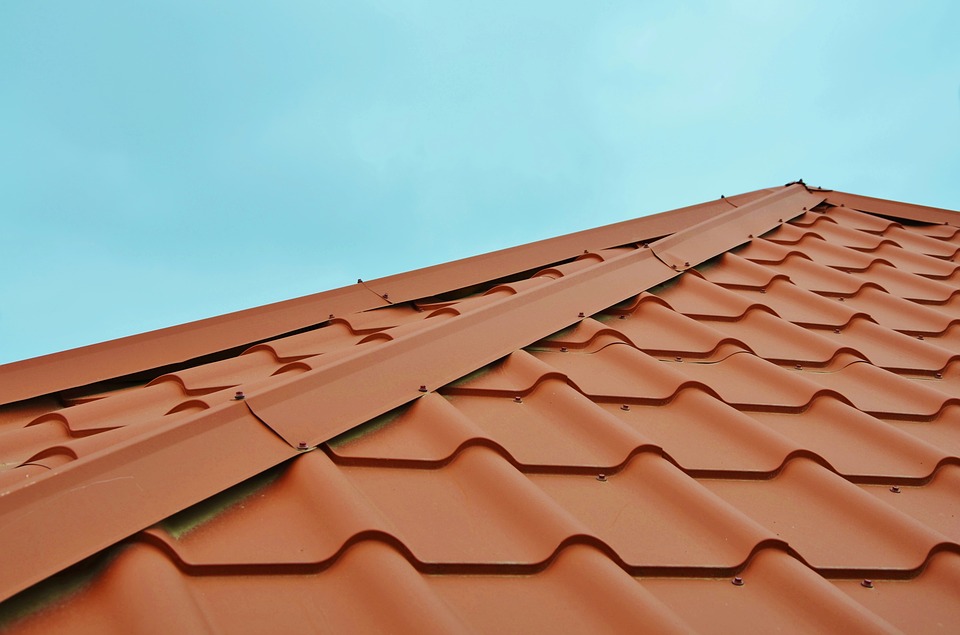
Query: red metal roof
{"type": "Point", "coordinates": [740, 415]}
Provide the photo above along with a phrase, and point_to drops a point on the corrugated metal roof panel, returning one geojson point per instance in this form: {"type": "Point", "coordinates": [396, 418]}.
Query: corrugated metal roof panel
{"type": "Point", "coordinates": [606, 444]}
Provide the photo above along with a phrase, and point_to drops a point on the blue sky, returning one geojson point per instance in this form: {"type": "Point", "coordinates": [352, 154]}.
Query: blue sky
{"type": "Point", "coordinates": [161, 162]}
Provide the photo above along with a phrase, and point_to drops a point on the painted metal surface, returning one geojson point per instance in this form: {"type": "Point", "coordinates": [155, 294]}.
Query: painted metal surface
{"type": "Point", "coordinates": [774, 432]}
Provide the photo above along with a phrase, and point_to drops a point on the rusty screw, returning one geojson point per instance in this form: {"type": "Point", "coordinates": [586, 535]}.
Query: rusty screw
{"type": "Point", "coordinates": [239, 395]}
{"type": "Point", "coordinates": [867, 584]}
{"type": "Point", "coordinates": [895, 489]}
{"type": "Point", "coordinates": [737, 581]}
{"type": "Point", "coordinates": [602, 478]}
{"type": "Point", "coordinates": [423, 388]}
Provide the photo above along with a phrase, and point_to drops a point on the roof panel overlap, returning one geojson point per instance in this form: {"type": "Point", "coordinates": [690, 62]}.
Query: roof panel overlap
{"type": "Point", "coordinates": [586, 434]}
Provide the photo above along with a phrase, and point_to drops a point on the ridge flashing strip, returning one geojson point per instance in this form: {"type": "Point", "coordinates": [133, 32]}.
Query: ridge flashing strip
{"type": "Point", "coordinates": [318, 405]}
{"type": "Point", "coordinates": [175, 344]}
{"type": "Point", "coordinates": [53, 521]}
{"type": "Point", "coordinates": [56, 520]}
{"type": "Point", "coordinates": [689, 248]}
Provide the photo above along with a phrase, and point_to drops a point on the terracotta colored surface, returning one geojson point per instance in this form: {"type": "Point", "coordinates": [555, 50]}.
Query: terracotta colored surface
{"type": "Point", "coordinates": [608, 444]}
{"type": "Point", "coordinates": [127, 355]}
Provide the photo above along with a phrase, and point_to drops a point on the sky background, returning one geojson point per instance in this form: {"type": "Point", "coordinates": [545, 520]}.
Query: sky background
{"type": "Point", "coordinates": [162, 162]}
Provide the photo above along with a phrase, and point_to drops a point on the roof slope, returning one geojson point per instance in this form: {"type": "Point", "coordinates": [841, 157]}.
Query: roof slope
{"type": "Point", "coordinates": [750, 405]}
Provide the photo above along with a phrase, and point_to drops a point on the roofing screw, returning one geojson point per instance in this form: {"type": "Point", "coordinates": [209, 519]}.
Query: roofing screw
{"type": "Point", "coordinates": [623, 317]}
{"type": "Point", "coordinates": [919, 337]}
{"type": "Point", "coordinates": [749, 235]}
{"type": "Point", "coordinates": [518, 399]}
{"type": "Point", "coordinates": [804, 208]}
{"type": "Point", "coordinates": [423, 388]}
{"type": "Point", "coordinates": [779, 220]}
{"type": "Point", "coordinates": [359, 281]}
{"type": "Point", "coordinates": [302, 445]}
{"type": "Point", "coordinates": [645, 245]}
{"type": "Point", "coordinates": [837, 331]}
{"type": "Point", "coordinates": [841, 299]}
{"type": "Point", "coordinates": [330, 317]}
{"type": "Point", "coordinates": [386, 296]}
{"type": "Point", "coordinates": [563, 349]}
{"type": "Point", "coordinates": [737, 581]}
{"type": "Point", "coordinates": [799, 367]}
{"type": "Point", "coordinates": [673, 266]}
{"type": "Point", "coordinates": [602, 478]}
{"type": "Point", "coordinates": [581, 314]}
{"type": "Point", "coordinates": [867, 584]}
{"type": "Point", "coordinates": [679, 359]}
{"type": "Point", "coordinates": [624, 407]}
{"type": "Point", "coordinates": [895, 489]}
{"type": "Point", "coordinates": [938, 375]}
{"type": "Point", "coordinates": [239, 395]}
{"type": "Point", "coordinates": [763, 290]}
{"type": "Point", "coordinates": [686, 263]}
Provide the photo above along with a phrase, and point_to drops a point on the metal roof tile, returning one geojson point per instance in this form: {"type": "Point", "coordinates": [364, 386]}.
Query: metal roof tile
{"type": "Point", "coordinates": [526, 485]}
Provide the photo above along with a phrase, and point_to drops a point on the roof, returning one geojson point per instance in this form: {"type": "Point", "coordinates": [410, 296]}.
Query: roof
{"type": "Point", "coordinates": [740, 415]}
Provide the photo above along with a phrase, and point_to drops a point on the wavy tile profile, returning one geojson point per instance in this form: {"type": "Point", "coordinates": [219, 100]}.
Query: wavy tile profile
{"type": "Point", "coordinates": [743, 415]}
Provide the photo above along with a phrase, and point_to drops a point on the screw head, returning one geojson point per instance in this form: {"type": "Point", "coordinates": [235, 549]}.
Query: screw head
{"type": "Point", "coordinates": [563, 349]}
{"type": "Point", "coordinates": [799, 367]}
{"type": "Point", "coordinates": [737, 581]}
{"type": "Point", "coordinates": [581, 314]}
{"type": "Point", "coordinates": [678, 359]}
{"type": "Point", "coordinates": [867, 584]}
{"type": "Point", "coordinates": [302, 445]}
{"type": "Point", "coordinates": [624, 407]}
{"type": "Point", "coordinates": [895, 489]}
{"type": "Point", "coordinates": [686, 263]}
{"type": "Point", "coordinates": [330, 317]}
{"type": "Point", "coordinates": [623, 317]}
{"type": "Point", "coordinates": [386, 296]}
{"type": "Point", "coordinates": [423, 388]}
{"type": "Point", "coordinates": [239, 395]}
{"type": "Point", "coordinates": [518, 399]}
{"type": "Point", "coordinates": [938, 375]}
{"type": "Point", "coordinates": [920, 337]}
{"type": "Point", "coordinates": [836, 331]}
{"type": "Point", "coordinates": [602, 478]}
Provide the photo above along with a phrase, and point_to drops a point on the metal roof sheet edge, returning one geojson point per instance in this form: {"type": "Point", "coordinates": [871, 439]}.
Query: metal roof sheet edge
{"type": "Point", "coordinates": [154, 349]}
{"type": "Point", "coordinates": [34, 511]}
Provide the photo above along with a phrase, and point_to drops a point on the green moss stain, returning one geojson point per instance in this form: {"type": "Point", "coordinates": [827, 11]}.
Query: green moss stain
{"type": "Point", "coordinates": [56, 589]}
{"type": "Point", "coordinates": [365, 429]}
{"type": "Point", "coordinates": [183, 522]}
